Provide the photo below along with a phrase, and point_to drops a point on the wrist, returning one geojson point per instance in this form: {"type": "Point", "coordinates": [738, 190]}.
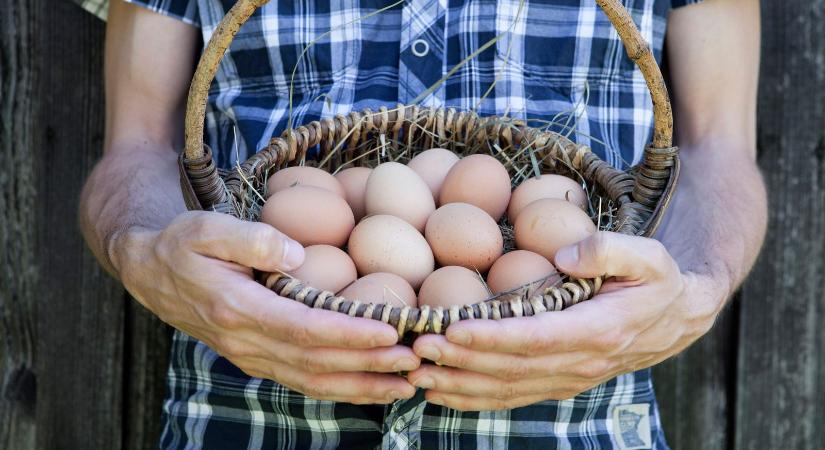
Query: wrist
{"type": "Point", "coordinates": [127, 244]}
{"type": "Point", "coordinates": [706, 296]}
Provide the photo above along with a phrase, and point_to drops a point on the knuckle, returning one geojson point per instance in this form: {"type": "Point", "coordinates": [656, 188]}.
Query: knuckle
{"type": "Point", "coordinates": [458, 359]}
{"type": "Point", "coordinates": [598, 246]}
{"type": "Point", "coordinates": [507, 391]}
{"type": "Point", "coordinates": [517, 370]}
{"type": "Point", "coordinates": [198, 227]}
{"type": "Point", "coordinates": [315, 389]}
{"type": "Point", "coordinates": [260, 239]}
{"type": "Point", "coordinates": [224, 317]}
{"type": "Point", "coordinates": [299, 335]}
{"type": "Point", "coordinates": [310, 362]}
{"type": "Point", "coordinates": [609, 340]}
{"type": "Point", "coordinates": [593, 369]}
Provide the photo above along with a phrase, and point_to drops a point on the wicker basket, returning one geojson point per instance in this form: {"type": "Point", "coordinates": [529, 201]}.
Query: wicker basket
{"type": "Point", "coordinates": [637, 198]}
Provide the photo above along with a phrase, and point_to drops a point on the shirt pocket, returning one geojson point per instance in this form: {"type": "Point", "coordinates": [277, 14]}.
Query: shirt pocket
{"type": "Point", "coordinates": [560, 43]}
{"type": "Point", "coordinates": [302, 46]}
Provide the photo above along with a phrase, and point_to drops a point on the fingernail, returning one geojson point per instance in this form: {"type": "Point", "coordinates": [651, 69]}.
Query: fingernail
{"type": "Point", "coordinates": [430, 353]}
{"type": "Point", "coordinates": [424, 383]}
{"type": "Point", "coordinates": [460, 337]}
{"type": "Point", "coordinates": [568, 256]}
{"type": "Point", "coordinates": [405, 364]}
{"type": "Point", "coordinates": [293, 255]}
{"type": "Point", "coordinates": [437, 401]}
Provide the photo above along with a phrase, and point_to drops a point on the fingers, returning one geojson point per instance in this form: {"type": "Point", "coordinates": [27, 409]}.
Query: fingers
{"type": "Point", "coordinates": [246, 304]}
{"type": "Point", "coordinates": [505, 366]}
{"type": "Point", "coordinates": [581, 327]}
{"type": "Point", "coordinates": [447, 380]}
{"type": "Point", "coordinates": [349, 387]}
{"type": "Point", "coordinates": [616, 255]}
{"type": "Point", "coordinates": [510, 367]}
{"type": "Point", "coordinates": [251, 244]}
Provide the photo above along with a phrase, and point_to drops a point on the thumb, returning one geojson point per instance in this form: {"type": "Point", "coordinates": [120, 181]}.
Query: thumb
{"type": "Point", "coordinates": [250, 244]}
{"type": "Point", "coordinates": [614, 255]}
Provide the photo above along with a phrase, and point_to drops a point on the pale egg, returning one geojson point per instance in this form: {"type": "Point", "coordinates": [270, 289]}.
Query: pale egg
{"type": "Point", "coordinates": [461, 234]}
{"type": "Point", "coordinates": [519, 268]}
{"type": "Point", "coordinates": [326, 267]}
{"type": "Point", "coordinates": [452, 285]}
{"type": "Point", "coordinates": [479, 180]}
{"type": "Point", "coordinates": [546, 186]}
{"type": "Point", "coordinates": [432, 166]}
{"type": "Point", "coordinates": [303, 176]}
{"type": "Point", "coordinates": [354, 181]}
{"type": "Point", "coordinates": [386, 243]}
{"type": "Point", "coordinates": [547, 225]}
{"type": "Point", "coordinates": [396, 190]}
{"type": "Point", "coordinates": [310, 215]}
{"type": "Point", "coordinates": [381, 288]}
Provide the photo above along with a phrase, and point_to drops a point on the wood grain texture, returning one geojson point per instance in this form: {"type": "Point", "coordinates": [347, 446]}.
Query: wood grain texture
{"type": "Point", "coordinates": [781, 367]}
{"type": "Point", "coordinates": [693, 389]}
{"type": "Point", "coordinates": [81, 309]}
{"type": "Point", "coordinates": [147, 355]}
{"type": "Point", "coordinates": [19, 274]}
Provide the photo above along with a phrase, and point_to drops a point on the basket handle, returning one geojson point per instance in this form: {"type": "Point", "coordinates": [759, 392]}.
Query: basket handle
{"type": "Point", "coordinates": [638, 50]}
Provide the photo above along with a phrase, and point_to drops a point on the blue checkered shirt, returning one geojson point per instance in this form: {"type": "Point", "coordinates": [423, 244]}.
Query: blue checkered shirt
{"type": "Point", "coordinates": [560, 63]}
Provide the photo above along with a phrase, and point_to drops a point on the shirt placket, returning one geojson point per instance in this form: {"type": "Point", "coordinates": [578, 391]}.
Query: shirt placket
{"type": "Point", "coordinates": [423, 50]}
{"type": "Point", "coordinates": [402, 425]}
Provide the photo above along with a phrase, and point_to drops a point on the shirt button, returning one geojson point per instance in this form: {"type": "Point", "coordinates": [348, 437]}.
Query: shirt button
{"type": "Point", "coordinates": [420, 48]}
{"type": "Point", "coordinates": [398, 426]}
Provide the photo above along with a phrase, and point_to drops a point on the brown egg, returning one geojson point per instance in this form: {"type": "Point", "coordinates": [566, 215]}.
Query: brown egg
{"type": "Point", "coordinates": [388, 244]}
{"type": "Point", "coordinates": [452, 285]}
{"type": "Point", "coordinates": [354, 181]}
{"type": "Point", "coordinates": [326, 267]}
{"type": "Point", "coordinates": [547, 225]}
{"type": "Point", "coordinates": [518, 268]}
{"type": "Point", "coordinates": [547, 186]}
{"type": "Point", "coordinates": [464, 235]}
{"type": "Point", "coordinates": [310, 215]}
{"type": "Point", "coordinates": [381, 288]}
{"type": "Point", "coordinates": [303, 176]}
{"type": "Point", "coordinates": [432, 166]}
{"type": "Point", "coordinates": [397, 190]}
{"type": "Point", "coordinates": [479, 180]}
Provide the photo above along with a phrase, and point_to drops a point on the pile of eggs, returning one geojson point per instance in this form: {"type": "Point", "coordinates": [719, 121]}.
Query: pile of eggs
{"type": "Point", "coordinates": [425, 233]}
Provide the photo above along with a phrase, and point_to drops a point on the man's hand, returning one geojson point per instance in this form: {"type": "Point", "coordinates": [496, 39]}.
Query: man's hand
{"type": "Point", "coordinates": [653, 307]}
{"type": "Point", "coordinates": [196, 276]}
{"type": "Point", "coordinates": [646, 312]}
{"type": "Point", "coordinates": [194, 269]}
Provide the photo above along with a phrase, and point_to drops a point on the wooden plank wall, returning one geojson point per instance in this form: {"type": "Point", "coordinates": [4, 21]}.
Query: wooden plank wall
{"type": "Point", "coordinates": [81, 366]}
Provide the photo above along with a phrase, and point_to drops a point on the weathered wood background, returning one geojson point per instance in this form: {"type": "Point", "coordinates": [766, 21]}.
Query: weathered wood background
{"type": "Point", "coordinates": [82, 367]}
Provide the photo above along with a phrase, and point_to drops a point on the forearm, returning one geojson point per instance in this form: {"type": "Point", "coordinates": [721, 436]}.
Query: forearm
{"type": "Point", "coordinates": [716, 223]}
{"type": "Point", "coordinates": [134, 186]}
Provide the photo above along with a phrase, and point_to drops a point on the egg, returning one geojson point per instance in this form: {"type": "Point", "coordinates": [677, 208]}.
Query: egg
{"type": "Point", "coordinates": [386, 243]}
{"type": "Point", "coordinates": [395, 189]}
{"type": "Point", "coordinates": [354, 181]}
{"type": "Point", "coordinates": [479, 180]}
{"type": "Point", "coordinates": [544, 226]}
{"type": "Point", "coordinates": [310, 215]}
{"type": "Point", "coordinates": [303, 176]}
{"type": "Point", "coordinates": [546, 186]}
{"type": "Point", "coordinates": [381, 287]}
{"type": "Point", "coordinates": [461, 234]}
{"type": "Point", "coordinates": [432, 166]}
{"type": "Point", "coordinates": [326, 267]}
{"type": "Point", "coordinates": [518, 268]}
{"type": "Point", "coordinates": [452, 285]}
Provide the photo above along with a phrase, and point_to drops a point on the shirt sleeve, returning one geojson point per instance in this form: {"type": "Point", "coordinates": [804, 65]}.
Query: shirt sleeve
{"type": "Point", "coordinates": [183, 10]}
{"type": "Point", "coordinates": [679, 3]}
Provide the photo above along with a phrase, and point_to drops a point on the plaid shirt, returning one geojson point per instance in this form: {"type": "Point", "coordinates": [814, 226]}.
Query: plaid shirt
{"type": "Point", "coordinates": [561, 62]}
